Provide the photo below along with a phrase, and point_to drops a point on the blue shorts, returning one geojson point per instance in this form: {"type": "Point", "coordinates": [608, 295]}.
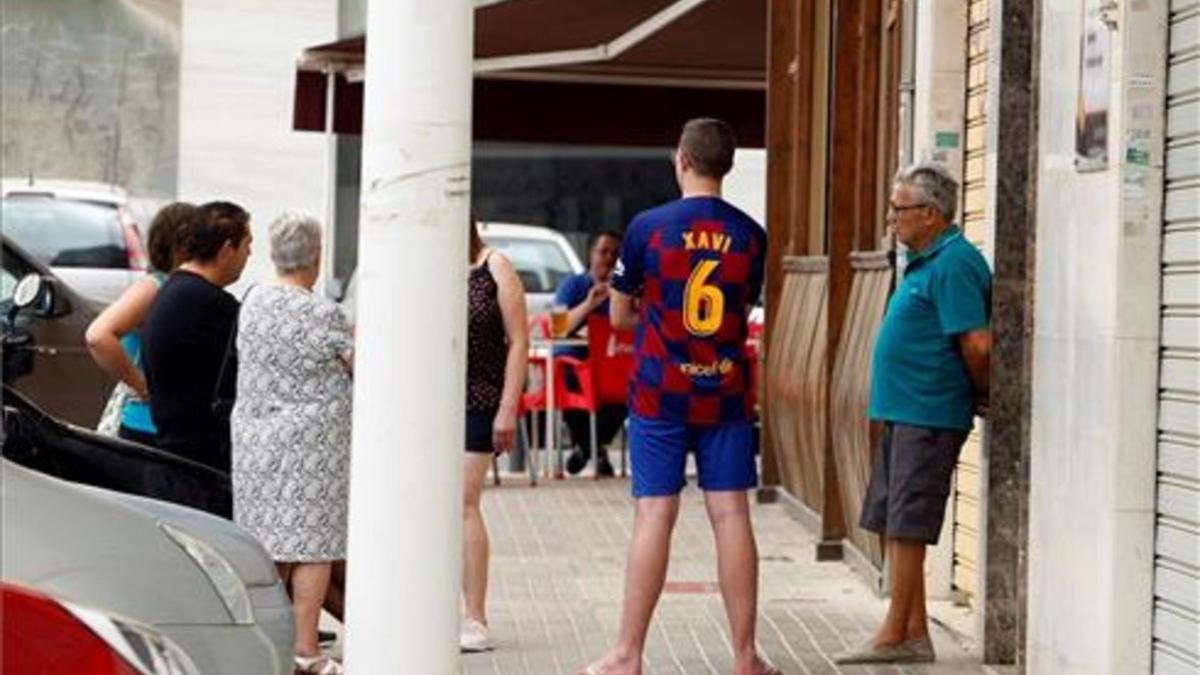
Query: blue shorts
{"type": "Point", "coordinates": [658, 451]}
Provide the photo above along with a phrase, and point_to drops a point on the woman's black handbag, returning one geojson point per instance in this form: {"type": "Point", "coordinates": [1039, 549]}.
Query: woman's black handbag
{"type": "Point", "coordinates": [222, 402]}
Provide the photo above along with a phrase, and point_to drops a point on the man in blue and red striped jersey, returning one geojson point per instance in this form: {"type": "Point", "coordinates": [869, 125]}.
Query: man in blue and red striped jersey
{"type": "Point", "coordinates": [688, 274]}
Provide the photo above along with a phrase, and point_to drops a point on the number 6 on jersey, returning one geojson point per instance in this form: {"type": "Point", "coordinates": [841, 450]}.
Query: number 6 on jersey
{"type": "Point", "coordinates": [703, 302]}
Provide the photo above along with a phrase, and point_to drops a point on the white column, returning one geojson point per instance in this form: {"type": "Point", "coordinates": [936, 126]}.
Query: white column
{"type": "Point", "coordinates": [406, 473]}
{"type": "Point", "coordinates": [329, 251]}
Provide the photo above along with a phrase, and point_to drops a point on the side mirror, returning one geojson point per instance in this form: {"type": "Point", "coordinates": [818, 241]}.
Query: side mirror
{"type": "Point", "coordinates": [18, 355]}
{"type": "Point", "coordinates": [29, 290]}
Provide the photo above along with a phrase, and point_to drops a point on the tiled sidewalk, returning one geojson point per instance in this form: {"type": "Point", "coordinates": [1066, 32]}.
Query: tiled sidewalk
{"type": "Point", "coordinates": [558, 553]}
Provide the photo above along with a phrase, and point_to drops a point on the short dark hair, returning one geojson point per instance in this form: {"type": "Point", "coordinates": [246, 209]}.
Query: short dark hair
{"type": "Point", "coordinates": [162, 243]}
{"type": "Point", "coordinates": [709, 144]}
{"type": "Point", "coordinates": [219, 222]}
{"type": "Point", "coordinates": [610, 233]}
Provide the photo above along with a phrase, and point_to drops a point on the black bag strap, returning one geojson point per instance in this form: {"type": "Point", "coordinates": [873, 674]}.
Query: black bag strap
{"type": "Point", "coordinates": [230, 348]}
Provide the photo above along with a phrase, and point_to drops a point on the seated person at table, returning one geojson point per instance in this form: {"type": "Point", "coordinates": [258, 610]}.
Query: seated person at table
{"type": "Point", "coordinates": [586, 294]}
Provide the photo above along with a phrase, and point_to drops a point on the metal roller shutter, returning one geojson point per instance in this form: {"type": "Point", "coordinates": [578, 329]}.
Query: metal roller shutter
{"type": "Point", "coordinates": [1177, 545]}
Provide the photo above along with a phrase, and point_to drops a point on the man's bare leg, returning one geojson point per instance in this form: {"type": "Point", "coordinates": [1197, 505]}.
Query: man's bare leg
{"type": "Point", "coordinates": [908, 579]}
{"type": "Point", "coordinates": [918, 619]}
{"type": "Point", "coordinates": [645, 573]}
{"type": "Point", "coordinates": [737, 570]}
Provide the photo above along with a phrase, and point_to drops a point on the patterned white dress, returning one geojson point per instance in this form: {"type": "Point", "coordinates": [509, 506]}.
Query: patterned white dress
{"type": "Point", "coordinates": [291, 424]}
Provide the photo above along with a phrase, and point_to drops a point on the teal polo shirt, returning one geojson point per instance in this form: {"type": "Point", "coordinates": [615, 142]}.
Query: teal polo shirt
{"type": "Point", "coordinates": [918, 375]}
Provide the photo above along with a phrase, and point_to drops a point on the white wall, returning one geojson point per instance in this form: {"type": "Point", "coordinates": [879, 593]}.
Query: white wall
{"type": "Point", "coordinates": [1095, 361]}
{"type": "Point", "coordinates": [746, 185]}
{"type": "Point", "coordinates": [941, 80]}
{"type": "Point", "coordinates": [236, 86]}
{"type": "Point", "coordinates": [91, 92]}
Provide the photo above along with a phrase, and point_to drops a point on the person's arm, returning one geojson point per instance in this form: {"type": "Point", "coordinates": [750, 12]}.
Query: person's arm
{"type": "Point", "coordinates": [976, 347]}
{"type": "Point", "coordinates": [623, 311]}
{"type": "Point", "coordinates": [963, 296]}
{"type": "Point", "coordinates": [511, 295]}
{"type": "Point", "coordinates": [627, 280]}
{"type": "Point", "coordinates": [577, 316]}
{"type": "Point", "coordinates": [337, 335]}
{"type": "Point", "coordinates": [104, 334]}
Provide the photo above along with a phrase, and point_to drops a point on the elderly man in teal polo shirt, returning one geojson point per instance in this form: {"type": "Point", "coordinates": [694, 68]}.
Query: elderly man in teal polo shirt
{"type": "Point", "coordinates": [929, 378]}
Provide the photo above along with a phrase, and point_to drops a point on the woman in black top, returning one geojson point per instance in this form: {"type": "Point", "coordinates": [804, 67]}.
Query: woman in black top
{"type": "Point", "coordinates": [186, 335]}
{"type": "Point", "coordinates": [497, 355]}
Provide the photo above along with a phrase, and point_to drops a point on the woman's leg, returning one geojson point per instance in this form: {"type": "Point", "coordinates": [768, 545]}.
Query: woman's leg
{"type": "Point", "coordinates": [309, 581]}
{"type": "Point", "coordinates": [475, 537]}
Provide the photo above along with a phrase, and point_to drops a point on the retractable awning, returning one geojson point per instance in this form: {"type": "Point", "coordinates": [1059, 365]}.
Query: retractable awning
{"type": "Point", "coordinates": [625, 72]}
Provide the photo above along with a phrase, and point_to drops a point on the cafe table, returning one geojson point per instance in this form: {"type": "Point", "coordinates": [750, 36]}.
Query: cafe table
{"type": "Point", "coordinates": [543, 348]}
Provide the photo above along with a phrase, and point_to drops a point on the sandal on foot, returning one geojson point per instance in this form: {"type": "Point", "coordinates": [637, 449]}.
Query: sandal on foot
{"type": "Point", "coordinates": [318, 665]}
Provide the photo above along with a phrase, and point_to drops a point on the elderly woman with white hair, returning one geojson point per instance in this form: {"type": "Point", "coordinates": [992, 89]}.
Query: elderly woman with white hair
{"type": "Point", "coordinates": [291, 427]}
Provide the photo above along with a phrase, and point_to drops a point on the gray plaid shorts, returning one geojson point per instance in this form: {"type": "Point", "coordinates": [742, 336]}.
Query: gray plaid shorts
{"type": "Point", "coordinates": [910, 482]}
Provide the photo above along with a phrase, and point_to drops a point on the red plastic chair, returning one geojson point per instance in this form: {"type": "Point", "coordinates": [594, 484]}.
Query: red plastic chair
{"type": "Point", "coordinates": [567, 399]}
{"type": "Point", "coordinates": [754, 341]}
{"type": "Point", "coordinates": [611, 354]}
{"type": "Point", "coordinates": [539, 326]}
{"type": "Point", "coordinates": [603, 378]}
{"type": "Point", "coordinates": [612, 369]}
{"type": "Point", "coordinates": [534, 401]}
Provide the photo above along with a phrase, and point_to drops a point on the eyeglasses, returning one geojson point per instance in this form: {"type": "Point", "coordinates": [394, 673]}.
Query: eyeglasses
{"type": "Point", "coordinates": [897, 208]}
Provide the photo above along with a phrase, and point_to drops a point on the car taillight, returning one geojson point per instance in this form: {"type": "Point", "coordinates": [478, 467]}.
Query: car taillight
{"type": "Point", "coordinates": [134, 249]}
{"type": "Point", "coordinates": [41, 635]}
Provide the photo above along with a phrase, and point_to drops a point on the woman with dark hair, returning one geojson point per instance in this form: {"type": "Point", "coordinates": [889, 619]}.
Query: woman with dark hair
{"type": "Point", "coordinates": [497, 353]}
{"type": "Point", "coordinates": [113, 337]}
{"type": "Point", "coordinates": [187, 336]}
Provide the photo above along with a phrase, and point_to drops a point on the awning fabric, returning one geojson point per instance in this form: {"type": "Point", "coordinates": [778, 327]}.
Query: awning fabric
{"type": "Point", "coordinates": [625, 72]}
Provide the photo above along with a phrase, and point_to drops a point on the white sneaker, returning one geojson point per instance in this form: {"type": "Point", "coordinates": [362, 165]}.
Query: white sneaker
{"type": "Point", "coordinates": [474, 636]}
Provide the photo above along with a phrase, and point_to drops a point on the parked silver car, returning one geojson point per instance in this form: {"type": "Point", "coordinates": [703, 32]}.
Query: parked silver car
{"type": "Point", "coordinates": [198, 579]}
{"type": "Point", "coordinates": [83, 231]}
{"type": "Point", "coordinates": [541, 256]}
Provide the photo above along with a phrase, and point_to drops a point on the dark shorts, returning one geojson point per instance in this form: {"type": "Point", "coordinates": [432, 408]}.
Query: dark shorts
{"type": "Point", "coordinates": [658, 452]}
{"type": "Point", "coordinates": [910, 482]}
{"type": "Point", "coordinates": [479, 431]}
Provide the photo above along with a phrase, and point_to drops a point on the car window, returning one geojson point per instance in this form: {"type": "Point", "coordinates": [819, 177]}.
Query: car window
{"type": "Point", "coordinates": [66, 233]}
{"type": "Point", "coordinates": [540, 264]}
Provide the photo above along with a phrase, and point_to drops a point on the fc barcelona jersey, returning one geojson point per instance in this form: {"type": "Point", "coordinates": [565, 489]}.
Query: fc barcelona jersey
{"type": "Point", "coordinates": [696, 264]}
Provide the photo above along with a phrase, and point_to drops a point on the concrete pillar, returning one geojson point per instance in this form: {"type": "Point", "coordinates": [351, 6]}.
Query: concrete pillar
{"type": "Point", "coordinates": [1013, 103]}
{"type": "Point", "coordinates": [406, 471]}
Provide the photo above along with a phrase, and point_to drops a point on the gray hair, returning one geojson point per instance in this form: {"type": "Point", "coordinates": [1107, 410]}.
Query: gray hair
{"type": "Point", "coordinates": [295, 242]}
{"type": "Point", "coordinates": [939, 188]}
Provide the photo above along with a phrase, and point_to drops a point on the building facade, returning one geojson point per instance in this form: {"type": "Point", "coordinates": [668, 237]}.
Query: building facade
{"type": "Point", "coordinates": [1072, 538]}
